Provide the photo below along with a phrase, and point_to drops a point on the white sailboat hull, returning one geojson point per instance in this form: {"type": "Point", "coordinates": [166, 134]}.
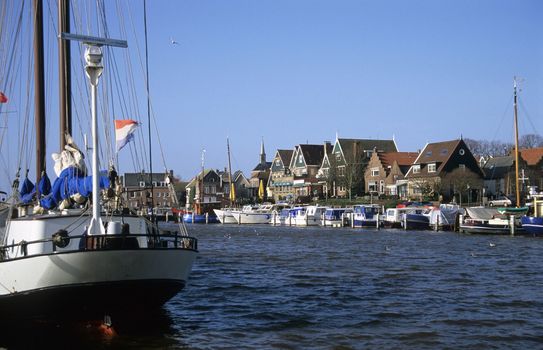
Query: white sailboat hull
{"type": "Point", "coordinates": [101, 281]}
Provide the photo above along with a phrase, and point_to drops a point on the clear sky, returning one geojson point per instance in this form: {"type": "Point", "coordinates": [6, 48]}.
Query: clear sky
{"type": "Point", "coordinates": [300, 71]}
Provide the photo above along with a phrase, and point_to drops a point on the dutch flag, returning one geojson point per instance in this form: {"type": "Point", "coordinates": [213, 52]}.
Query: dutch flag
{"type": "Point", "coordinates": [124, 132]}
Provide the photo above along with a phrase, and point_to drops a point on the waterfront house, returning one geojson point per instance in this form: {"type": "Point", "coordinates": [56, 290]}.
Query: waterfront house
{"type": "Point", "coordinates": [304, 165]}
{"type": "Point", "coordinates": [259, 176]}
{"type": "Point", "coordinates": [281, 179]}
{"type": "Point", "coordinates": [445, 170]}
{"type": "Point", "coordinates": [139, 196]}
{"type": "Point", "coordinates": [534, 161]}
{"type": "Point", "coordinates": [385, 173]}
{"type": "Point", "coordinates": [500, 173]}
{"type": "Point", "coordinates": [203, 192]}
{"type": "Point", "coordinates": [241, 185]}
{"type": "Point", "coordinates": [343, 167]}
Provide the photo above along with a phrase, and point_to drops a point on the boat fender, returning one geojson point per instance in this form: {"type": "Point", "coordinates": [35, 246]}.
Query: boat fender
{"type": "Point", "coordinates": [61, 239]}
{"type": "Point", "coordinates": [24, 247]}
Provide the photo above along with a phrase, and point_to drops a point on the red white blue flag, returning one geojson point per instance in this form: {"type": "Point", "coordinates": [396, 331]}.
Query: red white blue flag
{"type": "Point", "coordinates": [124, 132]}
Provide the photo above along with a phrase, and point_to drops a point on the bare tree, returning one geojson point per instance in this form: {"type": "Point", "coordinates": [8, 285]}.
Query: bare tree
{"type": "Point", "coordinates": [530, 141]}
{"type": "Point", "coordinates": [461, 182]}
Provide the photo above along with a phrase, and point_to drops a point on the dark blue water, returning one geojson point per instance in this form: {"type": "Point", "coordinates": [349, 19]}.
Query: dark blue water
{"type": "Point", "coordinates": [289, 288]}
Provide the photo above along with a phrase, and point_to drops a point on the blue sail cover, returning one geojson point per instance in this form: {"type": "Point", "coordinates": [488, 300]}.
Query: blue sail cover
{"type": "Point", "coordinates": [44, 185]}
{"type": "Point", "coordinates": [27, 192]}
{"type": "Point", "coordinates": [69, 183]}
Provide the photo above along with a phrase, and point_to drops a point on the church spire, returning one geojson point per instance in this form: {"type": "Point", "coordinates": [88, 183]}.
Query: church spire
{"type": "Point", "coordinates": [262, 153]}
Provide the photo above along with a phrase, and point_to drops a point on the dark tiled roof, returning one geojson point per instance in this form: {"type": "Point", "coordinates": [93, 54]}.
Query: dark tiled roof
{"type": "Point", "coordinates": [498, 167]}
{"type": "Point", "coordinates": [532, 156]}
{"type": "Point", "coordinates": [133, 179]}
{"type": "Point", "coordinates": [437, 152]}
{"type": "Point", "coordinates": [349, 146]}
{"type": "Point", "coordinates": [285, 155]}
{"type": "Point", "coordinates": [313, 154]}
{"type": "Point", "coordinates": [263, 166]}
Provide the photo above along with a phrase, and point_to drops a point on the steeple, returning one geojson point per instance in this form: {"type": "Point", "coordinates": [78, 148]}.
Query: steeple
{"type": "Point", "coordinates": [262, 153]}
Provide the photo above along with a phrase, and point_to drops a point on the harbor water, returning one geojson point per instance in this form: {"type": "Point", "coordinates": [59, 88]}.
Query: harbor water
{"type": "Point", "coordinates": [260, 287]}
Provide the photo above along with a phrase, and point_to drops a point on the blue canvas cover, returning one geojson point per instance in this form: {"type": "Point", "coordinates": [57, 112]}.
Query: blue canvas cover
{"type": "Point", "coordinates": [69, 183]}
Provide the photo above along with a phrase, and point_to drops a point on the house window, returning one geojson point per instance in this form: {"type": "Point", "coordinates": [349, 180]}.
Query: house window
{"type": "Point", "coordinates": [381, 186]}
{"type": "Point", "coordinates": [133, 195]}
{"type": "Point", "coordinates": [154, 183]}
{"type": "Point", "coordinates": [158, 194]}
{"type": "Point", "coordinates": [142, 183]}
{"type": "Point", "coordinates": [416, 169]}
{"type": "Point", "coordinates": [372, 186]}
{"type": "Point", "coordinates": [432, 168]}
{"type": "Point", "coordinates": [374, 171]}
{"type": "Point", "coordinates": [206, 189]}
{"type": "Point", "coordinates": [341, 171]}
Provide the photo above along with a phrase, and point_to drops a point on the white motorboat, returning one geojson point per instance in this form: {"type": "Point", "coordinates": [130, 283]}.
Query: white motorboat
{"type": "Point", "coordinates": [309, 215]}
{"type": "Point", "coordinates": [225, 216]}
{"type": "Point", "coordinates": [257, 214]}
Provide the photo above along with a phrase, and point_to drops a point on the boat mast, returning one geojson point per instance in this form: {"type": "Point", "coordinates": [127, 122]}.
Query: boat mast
{"type": "Point", "coordinates": [65, 80]}
{"type": "Point", "coordinates": [148, 110]}
{"type": "Point", "coordinates": [39, 90]}
{"type": "Point", "coordinates": [94, 69]}
{"type": "Point", "coordinates": [230, 174]}
{"type": "Point", "coordinates": [516, 142]}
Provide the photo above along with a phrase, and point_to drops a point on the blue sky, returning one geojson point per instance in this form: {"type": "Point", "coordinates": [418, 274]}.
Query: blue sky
{"type": "Point", "coordinates": [297, 71]}
{"type": "Point", "coordinates": [300, 71]}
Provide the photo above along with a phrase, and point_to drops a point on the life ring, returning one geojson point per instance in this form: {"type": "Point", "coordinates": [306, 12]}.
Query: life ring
{"type": "Point", "coordinates": [61, 239]}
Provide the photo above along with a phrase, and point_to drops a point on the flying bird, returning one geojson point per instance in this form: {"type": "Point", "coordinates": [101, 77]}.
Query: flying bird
{"type": "Point", "coordinates": [492, 244]}
{"type": "Point", "coordinates": [173, 42]}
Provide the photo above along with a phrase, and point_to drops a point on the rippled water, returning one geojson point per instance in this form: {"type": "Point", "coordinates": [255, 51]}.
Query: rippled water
{"type": "Point", "coordinates": [281, 287]}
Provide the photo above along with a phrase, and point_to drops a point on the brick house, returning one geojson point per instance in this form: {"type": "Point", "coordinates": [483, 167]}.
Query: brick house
{"type": "Point", "coordinates": [281, 179]}
{"type": "Point", "coordinates": [385, 173]}
{"type": "Point", "coordinates": [342, 169]}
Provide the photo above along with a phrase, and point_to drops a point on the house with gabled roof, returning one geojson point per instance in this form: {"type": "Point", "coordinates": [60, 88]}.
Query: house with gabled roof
{"type": "Point", "coordinates": [241, 185]}
{"type": "Point", "coordinates": [445, 169]}
{"type": "Point", "coordinates": [141, 190]}
{"type": "Point", "coordinates": [344, 167]}
{"type": "Point", "coordinates": [203, 192]}
{"type": "Point", "coordinates": [281, 179]}
{"type": "Point", "coordinates": [534, 160]}
{"type": "Point", "coordinates": [304, 166]}
{"type": "Point", "coordinates": [385, 173]}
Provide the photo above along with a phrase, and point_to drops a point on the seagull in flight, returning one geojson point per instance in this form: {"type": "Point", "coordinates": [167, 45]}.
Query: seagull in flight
{"type": "Point", "coordinates": [173, 42]}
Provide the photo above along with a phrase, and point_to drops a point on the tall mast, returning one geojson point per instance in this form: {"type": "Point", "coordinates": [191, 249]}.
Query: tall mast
{"type": "Point", "coordinates": [516, 142]}
{"type": "Point", "coordinates": [148, 106]}
{"type": "Point", "coordinates": [39, 89]}
{"type": "Point", "coordinates": [65, 84]}
{"type": "Point", "coordinates": [230, 174]}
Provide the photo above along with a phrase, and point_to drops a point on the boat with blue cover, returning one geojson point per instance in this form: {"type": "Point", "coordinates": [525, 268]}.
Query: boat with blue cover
{"type": "Point", "coordinates": [336, 216]}
{"type": "Point", "coordinates": [365, 215]}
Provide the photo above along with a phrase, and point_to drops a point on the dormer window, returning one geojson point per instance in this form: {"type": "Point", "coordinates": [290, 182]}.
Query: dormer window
{"type": "Point", "coordinates": [142, 183]}
{"type": "Point", "coordinates": [432, 167]}
{"type": "Point", "coordinates": [416, 169]}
